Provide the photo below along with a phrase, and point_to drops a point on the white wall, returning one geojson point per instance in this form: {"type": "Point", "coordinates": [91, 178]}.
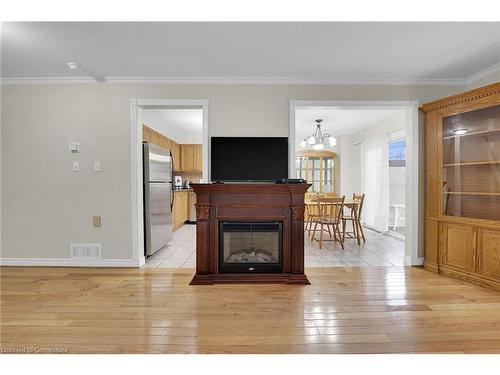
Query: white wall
{"type": "Point", "coordinates": [350, 151]}
{"type": "Point", "coordinates": [387, 126]}
{"type": "Point", "coordinates": [45, 205]}
{"type": "Point", "coordinates": [350, 166]}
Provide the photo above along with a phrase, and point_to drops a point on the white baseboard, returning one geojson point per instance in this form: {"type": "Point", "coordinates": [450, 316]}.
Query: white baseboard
{"type": "Point", "coordinates": [68, 262]}
{"type": "Point", "coordinates": [411, 261]}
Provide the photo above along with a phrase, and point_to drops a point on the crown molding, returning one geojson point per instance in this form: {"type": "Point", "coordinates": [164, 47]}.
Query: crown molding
{"type": "Point", "coordinates": [233, 81]}
{"type": "Point", "coordinates": [495, 68]}
{"type": "Point", "coordinates": [479, 93]}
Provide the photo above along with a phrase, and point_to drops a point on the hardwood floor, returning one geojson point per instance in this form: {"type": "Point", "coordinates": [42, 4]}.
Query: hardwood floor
{"type": "Point", "coordinates": [345, 310]}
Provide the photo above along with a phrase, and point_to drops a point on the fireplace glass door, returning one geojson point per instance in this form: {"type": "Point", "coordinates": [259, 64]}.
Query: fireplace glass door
{"type": "Point", "coordinates": [250, 247]}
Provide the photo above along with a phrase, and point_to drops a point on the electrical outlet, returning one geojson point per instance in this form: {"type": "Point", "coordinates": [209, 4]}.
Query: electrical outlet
{"type": "Point", "coordinates": [96, 221]}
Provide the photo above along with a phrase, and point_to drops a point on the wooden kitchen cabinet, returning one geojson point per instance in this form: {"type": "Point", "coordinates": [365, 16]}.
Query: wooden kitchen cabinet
{"type": "Point", "coordinates": [488, 253]}
{"type": "Point", "coordinates": [187, 158]}
{"type": "Point", "coordinates": [180, 212]}
{"type": "Point", "coordinates": [191, 158]}
{"type": "Point", "coordinates": [198, 157]}
{"type": "Point", "coordinates": [152, 136]}
{"type": "Point", "coordinates": [458, 246]}
{"type": "Point", "coordinates": [462, 197]}
{"type": "Point", "coordinates": [176, 156]}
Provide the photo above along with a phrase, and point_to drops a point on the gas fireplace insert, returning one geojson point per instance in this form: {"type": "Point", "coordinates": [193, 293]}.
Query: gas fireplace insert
{"type": "Point", "coordinates": [250, 246]}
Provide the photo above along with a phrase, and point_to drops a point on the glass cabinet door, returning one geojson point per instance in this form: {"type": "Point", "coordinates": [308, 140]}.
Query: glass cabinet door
{"type": "Point", "coordinates": [300, 167]}
{"type": "Point", "coordinates": [327, 177]}
{"type": "Point", "coordinates": [471, 164]}
{"type": "Point", "coordinates": [318, 168]}
{"type": "Point", "coordinates": [315, 174]}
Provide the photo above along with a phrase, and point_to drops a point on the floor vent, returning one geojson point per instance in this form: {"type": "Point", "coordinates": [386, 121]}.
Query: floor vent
{"type": "Point", "coordinates": [86, 250]}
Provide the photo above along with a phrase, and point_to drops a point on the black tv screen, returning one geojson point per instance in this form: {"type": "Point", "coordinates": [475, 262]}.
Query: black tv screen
{"type": "Point", "coordinates": [249, 158]}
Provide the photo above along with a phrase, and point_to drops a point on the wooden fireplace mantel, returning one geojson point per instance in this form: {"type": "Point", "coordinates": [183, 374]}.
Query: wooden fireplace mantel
{"type": "Point", "coordinates": [250, 202]}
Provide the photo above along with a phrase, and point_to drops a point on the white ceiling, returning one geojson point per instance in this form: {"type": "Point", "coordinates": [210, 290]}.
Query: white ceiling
{"type": "Point", "coordinates": [338, 122]}
{"type": "Point", "coordinates": [183, 125]}
{"type": "Point", "coordinates": [322, 50]}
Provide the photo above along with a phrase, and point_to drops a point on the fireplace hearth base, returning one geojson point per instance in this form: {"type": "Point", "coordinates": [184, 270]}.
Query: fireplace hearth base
{"type": "Point", "coordinates": [250, 278]}
{"type": "Point", "coordinates": [218, 203]}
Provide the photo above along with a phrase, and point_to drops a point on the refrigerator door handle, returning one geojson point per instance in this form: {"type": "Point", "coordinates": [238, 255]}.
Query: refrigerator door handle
{"type": "Point", "coordinates": [172, 182]}
{"type": "Point", "coordinates": [172, 197]}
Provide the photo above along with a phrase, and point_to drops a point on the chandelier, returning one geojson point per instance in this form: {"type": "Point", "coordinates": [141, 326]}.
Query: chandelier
{"type": "Point", "coordinates": [318, 140]}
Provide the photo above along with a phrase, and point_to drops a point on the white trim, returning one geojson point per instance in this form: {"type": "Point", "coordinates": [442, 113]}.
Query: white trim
{"type": "Point", "coordinates": [137, 222]}
{"type": "Point", "coordinates": [413, 261]}
{"type": "Point", "coordinates": [205, 175]}
{"type": "Point", "coordinates": [483, 73]}
{"type": "Point", "coordinates": [356, 104]}
{"type": "Point", "coordinates": [172, 102]}
{"type": "Point", "coordinates": [136, 107]}
{"type": "Point", "coordinates": [66, 262]}
{"type": "Point", "coordinates": [414, 189]}
{"type": "Point", "coordinates": [162, 80]}
{"type": "Point", "coordinates": [154, 103]}
{"type": "Point", "coordinates": [236, 81]}
{"type": "Point", "coordinates": [142, 261]}
{"type": "Point", "coordinates": [292, 106]}
{"type": "Point", "coordinates": [414, 180]}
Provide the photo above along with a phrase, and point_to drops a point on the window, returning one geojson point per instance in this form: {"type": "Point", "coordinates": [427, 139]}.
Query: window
{"type": "Point", "coordinates": [397, 185]}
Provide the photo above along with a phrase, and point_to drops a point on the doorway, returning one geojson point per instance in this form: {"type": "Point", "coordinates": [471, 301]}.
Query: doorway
{"type": "Point", "coordinates": [349, 153]}
{"type": "Point", "coordinates": [138, 116]}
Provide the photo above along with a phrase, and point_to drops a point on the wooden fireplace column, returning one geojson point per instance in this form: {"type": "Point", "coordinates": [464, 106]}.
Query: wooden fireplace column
{"type": "Point", "coordinates": [249, 202]}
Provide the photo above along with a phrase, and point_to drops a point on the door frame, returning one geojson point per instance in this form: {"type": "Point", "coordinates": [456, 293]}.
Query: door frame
{"type": "Point", "coordinates": [414, 129]}
{"type": "Point", "coordinates": [136, 108]}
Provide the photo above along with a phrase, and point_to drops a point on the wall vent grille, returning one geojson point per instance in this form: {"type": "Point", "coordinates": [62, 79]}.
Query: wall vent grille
{"type": "Point", "coordinates": [86, 250]}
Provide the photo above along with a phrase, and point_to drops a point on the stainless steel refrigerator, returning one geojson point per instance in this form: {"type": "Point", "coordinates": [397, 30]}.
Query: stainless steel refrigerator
{"type": "Point", "coordinates": [158, 197]}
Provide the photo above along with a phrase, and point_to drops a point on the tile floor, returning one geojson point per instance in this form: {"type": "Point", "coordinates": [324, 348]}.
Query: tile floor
{"type": "Point", "coordinates": [379, 250]}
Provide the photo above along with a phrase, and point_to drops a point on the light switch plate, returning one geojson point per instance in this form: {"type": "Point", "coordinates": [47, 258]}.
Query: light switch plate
{"type": "Point", "coordinates": [76, 166]}
{"type": "Point", "coordinates": [74, 147]}
{"type": "Point", "coordinates": [97, 166]}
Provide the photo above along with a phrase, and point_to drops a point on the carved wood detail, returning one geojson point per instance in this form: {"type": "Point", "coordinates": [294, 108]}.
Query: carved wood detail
{"type": "Point", "coordinates": [298, 212]}
{"type": "Point", "coordinates": [468, 96]}
{"type": "Point", "coordinates": [202, 212]}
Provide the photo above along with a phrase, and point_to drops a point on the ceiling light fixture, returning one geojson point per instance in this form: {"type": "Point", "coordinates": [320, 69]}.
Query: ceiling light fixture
{"type": "Point", "coordinates": [73, 66]}
{"type": "Point", "coordinates": [318, 140]}
{"type": "Point", "coordinates": [460, 131]}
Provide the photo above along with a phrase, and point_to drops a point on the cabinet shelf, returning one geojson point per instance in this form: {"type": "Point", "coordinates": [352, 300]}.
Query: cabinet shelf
{"type": "Point", "coordinates": [488, 162]}
{"type": "Point", "coordinates": [468, 193]}
{"type": "Point", "coordinates": [471, 133]}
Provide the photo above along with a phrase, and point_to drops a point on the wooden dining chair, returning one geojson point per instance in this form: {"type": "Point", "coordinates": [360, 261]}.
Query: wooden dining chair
{"type": "Point", "coordinates": [312, 212]}
{"type": "Point", "coordinates": [330, 195]}
{"type": "Point", "coordinates": [329, 220]}
{"type": "Point", "coordinates": [354, 217]}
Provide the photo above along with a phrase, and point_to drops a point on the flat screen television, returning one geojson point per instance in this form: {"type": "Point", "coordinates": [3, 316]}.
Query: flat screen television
{"type": "Point", "coordinates": [258, 159]}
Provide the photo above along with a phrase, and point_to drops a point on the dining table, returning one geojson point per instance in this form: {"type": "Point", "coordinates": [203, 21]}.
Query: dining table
{"type": "Point", "coordinates": [353, 205]}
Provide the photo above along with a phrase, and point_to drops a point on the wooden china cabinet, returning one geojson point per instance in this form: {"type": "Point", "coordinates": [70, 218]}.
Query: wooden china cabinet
{"type": "Point", "coordinates": [317, 168]}
{"type": "Point", "coordinates": [462, 224]}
